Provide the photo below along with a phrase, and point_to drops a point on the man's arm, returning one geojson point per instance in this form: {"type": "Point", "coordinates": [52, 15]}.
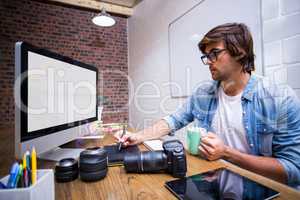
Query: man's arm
{"type": "Point", "coordinates": [157, 130]}
{"type": "Point", "coordinates": [173, 122]}
{"type": "Point", "coordinates": [266, 166]}
{"type": "Point", "coordinates": [213, 148]}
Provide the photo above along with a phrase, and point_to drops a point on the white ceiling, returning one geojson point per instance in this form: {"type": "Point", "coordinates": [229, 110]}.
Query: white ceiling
{"type": "Point", "coordinates": [126, 3]}
{"type": "Point", "coordinates": [123, 7]}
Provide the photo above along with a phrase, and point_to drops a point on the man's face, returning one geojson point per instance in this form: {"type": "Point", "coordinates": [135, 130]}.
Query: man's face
{"type": "Point", "coordinates": [222, 65]}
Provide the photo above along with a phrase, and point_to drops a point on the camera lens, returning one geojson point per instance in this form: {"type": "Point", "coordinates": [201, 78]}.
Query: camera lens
{"type": "Point", "coordinates": [150, 161]}
{"type": "Point", "coordinates": [66, 170]}
{"type": "Point", "coordinates": [93, 164]}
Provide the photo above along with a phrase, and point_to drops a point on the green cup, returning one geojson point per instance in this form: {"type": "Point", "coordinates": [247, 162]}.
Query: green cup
{"type": "Point", "coordinates": [194, 139]}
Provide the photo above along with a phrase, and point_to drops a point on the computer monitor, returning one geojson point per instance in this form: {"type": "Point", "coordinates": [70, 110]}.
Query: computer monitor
{"type": "Point", "coordinates": [55, 98]}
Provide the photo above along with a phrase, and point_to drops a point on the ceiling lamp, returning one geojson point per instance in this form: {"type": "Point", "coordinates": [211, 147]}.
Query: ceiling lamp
{"type": "Point", "coordinates": [104, 19]}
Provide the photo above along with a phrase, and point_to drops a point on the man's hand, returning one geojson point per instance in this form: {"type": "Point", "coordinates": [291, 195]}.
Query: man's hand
{"type": "Point", "coordinates": [212, 147]}
{"type": "Point", "coordinates": [158, 130]}
{"type": "Point", "coordinates": [129, 139]}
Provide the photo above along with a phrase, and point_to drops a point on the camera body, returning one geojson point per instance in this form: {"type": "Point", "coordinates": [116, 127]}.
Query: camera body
{"type": "Point", "coordinates": [176, 158]}
{"type": "Point", "coordinates": [172, 160]}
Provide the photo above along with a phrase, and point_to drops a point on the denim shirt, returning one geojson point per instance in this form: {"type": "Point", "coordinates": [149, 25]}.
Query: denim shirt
{"type": "Point", "coordinates": [271, 118]}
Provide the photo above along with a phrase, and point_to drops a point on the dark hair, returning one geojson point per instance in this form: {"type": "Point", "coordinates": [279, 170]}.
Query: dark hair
{"type": "Point", "coordinates": [237, 40]}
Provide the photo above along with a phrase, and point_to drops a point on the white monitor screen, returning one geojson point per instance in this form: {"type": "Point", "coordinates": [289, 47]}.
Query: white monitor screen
{"type": "Point", "coordinates": [58, 92]}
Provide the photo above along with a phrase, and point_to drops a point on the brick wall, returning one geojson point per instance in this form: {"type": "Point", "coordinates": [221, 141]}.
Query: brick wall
{"type": "Point", "coordinates": [70, 32]}
{"type": "Point", "coordinates": [282, 41]}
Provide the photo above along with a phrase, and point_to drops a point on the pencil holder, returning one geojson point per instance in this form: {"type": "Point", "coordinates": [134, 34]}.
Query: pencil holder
{"type": "Point", "coordinates": [42, 189]}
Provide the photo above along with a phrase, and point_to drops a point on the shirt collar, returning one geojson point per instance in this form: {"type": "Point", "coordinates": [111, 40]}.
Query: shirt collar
{"type": "Point", "coordinates": [247, 93]}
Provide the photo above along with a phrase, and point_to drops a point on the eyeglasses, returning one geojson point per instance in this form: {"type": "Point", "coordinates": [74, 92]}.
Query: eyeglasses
{"type": "Point", "coordinates": [212, 56]}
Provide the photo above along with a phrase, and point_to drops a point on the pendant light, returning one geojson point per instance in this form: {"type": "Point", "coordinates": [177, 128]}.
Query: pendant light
{"type": "Point", "coordinates": [104, 19]}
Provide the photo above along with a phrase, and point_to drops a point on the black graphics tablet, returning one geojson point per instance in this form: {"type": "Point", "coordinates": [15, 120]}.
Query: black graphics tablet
{"type": "Point", "coordinates": [116, 157]}
{"type": "Point", "coordinates": [217, 184]}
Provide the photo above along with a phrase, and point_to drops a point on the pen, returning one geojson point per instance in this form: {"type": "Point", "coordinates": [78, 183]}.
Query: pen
{"type": "Point", "coordinates": [33, 166]}
{"type": "Point", "coordinates": [123, 133]}
{"type": "Point", "coordinates": [24, 161]}
{"type": "Point", "coordinates": [25, 171]}
{"type": "Point", "coordinates": [2, 185]}
{"type": "Point", "coordinates": [28, 168]}
{"type": "Point", "coordinates": [27, 153]}
{"type": "Point", "coordinates": [13, 175]}
{"type": "Point", "coordinates": [19, 176]}
{"type": "Point", "coordinates": [21, 183]}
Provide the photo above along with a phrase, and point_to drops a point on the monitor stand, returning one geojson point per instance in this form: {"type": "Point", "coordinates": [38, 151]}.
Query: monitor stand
{"type": "Point", "coordinates": [58, 153]}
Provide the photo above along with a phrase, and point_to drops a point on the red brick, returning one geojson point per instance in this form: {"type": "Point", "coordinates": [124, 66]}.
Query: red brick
{"type": "Point", "coordinates": [70, 32]}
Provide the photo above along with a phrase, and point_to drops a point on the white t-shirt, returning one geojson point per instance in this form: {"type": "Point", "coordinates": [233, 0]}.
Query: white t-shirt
{"type": "Point", "coordinates": [228, 125]}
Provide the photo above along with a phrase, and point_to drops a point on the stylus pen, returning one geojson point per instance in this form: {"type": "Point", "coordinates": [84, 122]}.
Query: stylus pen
{"type": "Point", "coordinates": [123, 133]}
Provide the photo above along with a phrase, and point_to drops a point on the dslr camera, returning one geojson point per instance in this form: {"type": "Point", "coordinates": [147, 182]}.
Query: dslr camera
{"type": "Point", "coordinates": [172, 160]}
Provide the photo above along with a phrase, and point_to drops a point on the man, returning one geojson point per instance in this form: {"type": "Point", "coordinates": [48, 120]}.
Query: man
{"type": "Point", "coordinates": [251, 123]}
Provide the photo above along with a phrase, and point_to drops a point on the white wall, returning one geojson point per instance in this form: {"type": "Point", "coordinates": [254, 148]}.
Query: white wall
{"type": "Point", "coordinates": [281, 38]}
{"type": "Point", "coordinates": [186, 31]}
{"type": "Point", "coordinates": [149, 60]}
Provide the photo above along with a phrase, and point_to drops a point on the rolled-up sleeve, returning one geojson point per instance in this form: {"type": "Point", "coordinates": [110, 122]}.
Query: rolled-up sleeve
{"type": "Point", "coordinates": [181, 117]}
{"type": "Point", "coordinates": [286, 142]}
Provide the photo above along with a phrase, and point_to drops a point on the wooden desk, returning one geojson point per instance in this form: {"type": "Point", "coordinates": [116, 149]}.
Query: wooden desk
{"type": "Point", "coordinates": [120, 185]}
